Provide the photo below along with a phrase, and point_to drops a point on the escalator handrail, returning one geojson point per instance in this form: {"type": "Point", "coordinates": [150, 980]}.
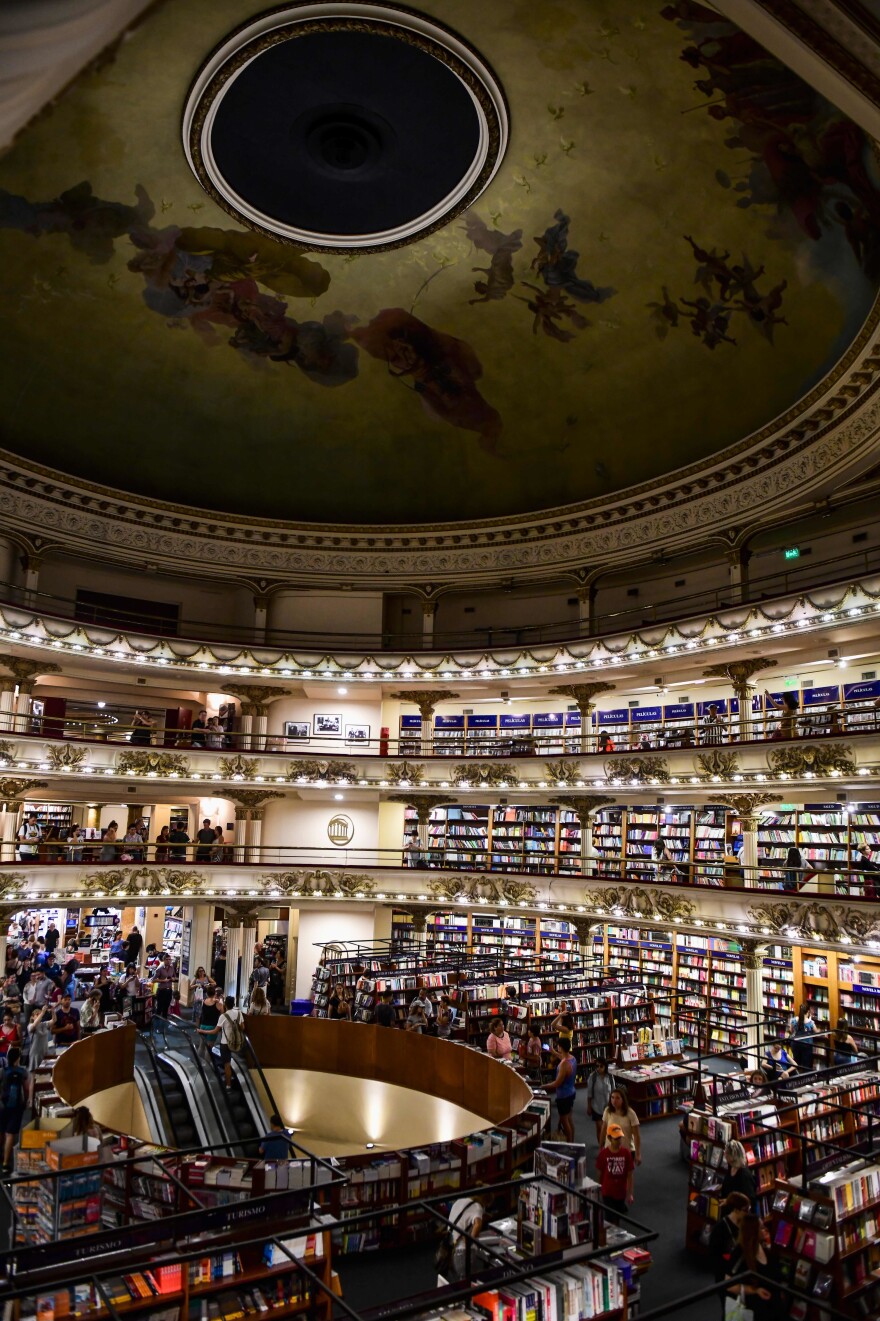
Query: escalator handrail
{"type": "Point", "coordinates": [184, 1025]}
{"type": "Point", "coordinates": [184, 1028]}
{"type": "Point", "coordinates": [153, 1057]}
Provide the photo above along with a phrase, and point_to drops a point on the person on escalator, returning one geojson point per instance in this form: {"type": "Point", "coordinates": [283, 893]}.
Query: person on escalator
{"type": "Point", "coordinates": [165, 979]}
{"type": "Point", "coordinates": [212, 1008]}
{"type": "Point", "coordinates": [276, 1144]}
{"type": "Point", "coordinates": [230, 1029]}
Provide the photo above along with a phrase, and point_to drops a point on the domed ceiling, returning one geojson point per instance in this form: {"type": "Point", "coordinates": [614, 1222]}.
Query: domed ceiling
{"type": "Point", "coordinates": [681, 240]}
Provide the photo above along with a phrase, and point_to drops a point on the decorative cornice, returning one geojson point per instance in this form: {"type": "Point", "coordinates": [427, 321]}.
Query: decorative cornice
{"type": "Point", "coordinates": [238, 767]}
{"type": "Point", "coordinates": [318, 770]}
{"type": "Point", "coordinates": [12, 789]}
{"type": "Point", "coordinates": [483, 888]}
{"type": "Point", "coordinates": [152, 762]}
{"type": "Point", "coordinates": [66, 758]}
{"type": "Point", "coordinates": [821, 759]}
{"type": "Point", "coordinates": [405, 773]}
{"type": "Point", "coordinates": [832, 430]}
{"type": "Point", "coordinates": [638, 770]}
{"type": "Point", "coordinates": [482, 774]}
{"type": "Point", "coordinates": [582, 693]}
{"type": "Point", "coordinates": [641, 902]}
{"type": "Point", "coordinates": [311, 883]}
{"type": "Point", "coordinates": [717, 763]}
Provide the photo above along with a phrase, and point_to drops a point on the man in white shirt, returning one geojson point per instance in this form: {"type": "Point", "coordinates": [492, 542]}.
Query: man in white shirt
{"type": "Point", "coordinates": [712, 726]}
{"type": "Point", "coordinates": [465, 1217]}
{"type": "Point", "coordinates": [37, 991]}
{"type": "Point", "coordinates": [230, 1027]}
{"type": "Point", "coordinates": [425, 1003]}
{"type": "Point", "coordinates": [28, 837]}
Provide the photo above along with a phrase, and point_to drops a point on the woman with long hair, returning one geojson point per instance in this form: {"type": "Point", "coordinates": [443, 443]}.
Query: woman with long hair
{"type": "Point", "coordinates": [752, 1253]}
{"type": "Point", "coordinates": [844, 1046]}
{"type": "Point", "coordinates": [599, 1085]}
{"type": "Point", "coordinates": [801, 1028]}
{"type": "Point", "coordinates": [619, 1111]}
{"type": "Point", "coordinates": [198, 986]}
{"type": "Point", "coordinates": [259, 1004]}
{"type": "Point", "coordinates": [739, 1178]}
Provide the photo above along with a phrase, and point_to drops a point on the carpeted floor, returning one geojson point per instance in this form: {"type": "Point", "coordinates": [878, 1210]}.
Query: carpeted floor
{"type": "Point", "coordinates": [369, 1280]}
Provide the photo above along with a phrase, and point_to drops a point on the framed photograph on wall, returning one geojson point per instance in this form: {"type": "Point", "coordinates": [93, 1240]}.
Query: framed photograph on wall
{"type": "Point", "coordinates": [327, 725]}
{"type": "Point", "coordinates": [357, 733]}
{"type": "Point", "coordinates": [299, 730]}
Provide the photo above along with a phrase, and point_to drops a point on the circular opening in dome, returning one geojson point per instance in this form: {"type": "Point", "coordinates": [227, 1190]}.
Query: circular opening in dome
{"type": "Point", "coordinates": [418, 132]}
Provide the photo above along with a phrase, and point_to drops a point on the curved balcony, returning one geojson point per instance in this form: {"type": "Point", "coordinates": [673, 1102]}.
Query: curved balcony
{"type": "Point", "coordinates": [33, 622]}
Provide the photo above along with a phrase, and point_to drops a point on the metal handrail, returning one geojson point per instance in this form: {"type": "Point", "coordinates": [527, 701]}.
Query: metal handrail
{"type": "Point", "coordinates": [180, 1025]}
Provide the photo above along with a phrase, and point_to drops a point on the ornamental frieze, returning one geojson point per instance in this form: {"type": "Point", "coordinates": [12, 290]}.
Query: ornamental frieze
{"type": "Point", "coordinates": [317, 883]}
{"type": "Point", "coordinates": [151, 761]}
{"type": "Point", "coordinates": [818, 759]}
{"type": "Point", "coordinates": [639, 901]}
{"type": "Point", "coordinates": [482, 888]}
{"type": "Point", "coordinates": [482, 774]}
{"type": "Point", "coordinates": [66, 758]}
{"type": "Point", "coordinates": [638, 770]}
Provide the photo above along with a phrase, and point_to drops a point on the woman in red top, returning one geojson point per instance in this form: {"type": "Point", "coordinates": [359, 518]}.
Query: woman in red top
{"type": "Point", "coordinates": [9, 1032]}
{"type": "Point", "coordinates": [498, 1043]}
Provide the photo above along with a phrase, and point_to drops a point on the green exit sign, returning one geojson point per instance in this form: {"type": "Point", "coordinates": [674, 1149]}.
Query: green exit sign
{"type": "Point", "coordinates": [792, 552]}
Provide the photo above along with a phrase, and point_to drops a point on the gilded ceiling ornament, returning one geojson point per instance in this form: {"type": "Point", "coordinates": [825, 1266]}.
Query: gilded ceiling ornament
{"type": "Point", "coordinates": [252, 799]}
{"type": "Point", "coordinates": [66, 757]}
{"type": "Point", "coordinates": [717, 762]}
{"type": "Point", "coordinates": [246, 767]}
{"type": "Point", "coordinates": [483, 888]}
{"type": "Point", "coordinates": [426, 699]}
{"type": "Point", "coordinates": [13, 788]}
{"type": "Point", "coordinates": [752, 955]}
{"type": "Point", "coordinates": [254, 697]}
{"type": "Point", "coordinates": [283, 882]}
{"type": "Point", "coordinates": [486, 774]}
{"type": "Point", "coordinates": [808, 920]}
{"type": "Point", "coordinates": [26, 671]}
{"type": "Point", "coordinates": [323, 883]}
{"type": "Point", "coordinates": [314, 769]}
{"type": "Point", "coordinates": [405, 772]}
{"type": "Point", "coordinates": [641, 770]}
{"type": "Point", "coordinates": [7, 750]}
{"type": "Point", "coordinates": [151, 761]}
{"type": "Point", "coordinates": [422, 803]}
{"type": "Point", "coordinates": [746, 806]}
{"type": "Point", "coordinates": [819, 758]}
{"type": "Point", "coordinates": [563, 773]}
{"type": "Point", "coordinates": [583, 804]}
{"type": "Point", "coordinates": [582, 694]}
{"type": "Point", "coordinates": [738, 673]}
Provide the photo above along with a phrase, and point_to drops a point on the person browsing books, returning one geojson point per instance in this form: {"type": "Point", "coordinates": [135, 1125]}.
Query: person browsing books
{"type": "Point", "coordinates": [777, 1062]}
{"type": "Point", "coordinates": [276, 1144]}
{"type": "Point", "coordinates": [620, 1112]}
{"type": "Point", "coordinates": [599, 1086]}
{"type": "Point", "coordinates": [615, 1164]}
{"type": "Point", "coordinates": [752, 1253]}
{"type": "Point", "coordinates": [801, 1027]}
{"type": "Point", "coordinates": [725, 1233]}
{"type": "Point", "coordinates": [563, 1085]}
{"type": "Point", "coordinates": [498, 1043]}
{"type": "Point", "coordinates": [739, 1178]}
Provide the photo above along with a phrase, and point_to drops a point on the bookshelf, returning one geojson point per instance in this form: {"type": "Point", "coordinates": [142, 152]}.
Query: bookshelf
{"type": "Point", "coordinates": [557, 941]}
{"type": "Point", "coordinates": [711, 840]}
{"type": "Point", "coordinates": [172, 935]}
{"type": "Point", "coordinates": [777, 988]}
{"type": "Point", "coordinates": [481, 736]}
{"type": "Point", "coordinates": [692, 986]}
{"type": "Point", "coordinates": [727, 998]}
{"type": "Point", "coordinates": [524, 839]}
{"type": "Point", "coordinates": [608, 825]}
{"type": "Point", "coordinates": [449, 736]}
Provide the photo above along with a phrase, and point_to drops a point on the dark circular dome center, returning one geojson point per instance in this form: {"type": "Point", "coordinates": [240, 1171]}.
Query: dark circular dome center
{"type": "Point", "coordinates": [345, 133]}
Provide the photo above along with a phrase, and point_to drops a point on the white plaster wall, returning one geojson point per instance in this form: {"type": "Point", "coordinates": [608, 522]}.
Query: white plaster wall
{"type": "Point", "coordinates": [334, 921]}
{"type": "Point", "coordinates": [293, 822]}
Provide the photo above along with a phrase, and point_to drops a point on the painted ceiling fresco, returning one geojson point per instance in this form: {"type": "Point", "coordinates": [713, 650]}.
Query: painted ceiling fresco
{"type": "Point", "coordinates": [682, 240]}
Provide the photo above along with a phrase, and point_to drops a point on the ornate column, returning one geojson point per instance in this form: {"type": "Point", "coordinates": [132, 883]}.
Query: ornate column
{"type": "Point", "coordinates": [255, 834]}
{"type": "Point", "coordinates": [242, 815]}
{"type": "Point", "coordinates": [249, 808]}
{"type": "Point", "coordinates": [745, 806]}
{"type": "Point", "coordinates": [11, 792]}
{"type": "Point", "coordinates": [738, 673]}
{"type": "Point", "coordinates": [426, 700]}
{"type": "Point", "coordinates": [424, 805]}
{"type": "Point", "coordinates": [753, 962]}
{"type": "Point", "coordinates": [583, 805]}
{"type": "Point", "coordinates": [584, 929]}
{"type": "Point", "coordinates": [429, 614]}
{"type": "Point", "coordinates": [7, 702]}
{"type": "Point", "coordinates": [738, 568]}
{"type": "Point", "coordinates": [261, 615]}
{"type": "Point", "coordinates": [255, 701]}
{"type": "Point", "coordinates": [583, 694]}
{"type": "Point", "coordinates": [25, 672]}
{"type": "Point", "coordinates": [241, 936]}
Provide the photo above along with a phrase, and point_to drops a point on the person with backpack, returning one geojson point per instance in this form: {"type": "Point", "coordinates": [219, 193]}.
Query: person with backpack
{"type": "Point", "coordinates": [230, 1029]}
{"type": "Point", "coordinates": [13, 1099]}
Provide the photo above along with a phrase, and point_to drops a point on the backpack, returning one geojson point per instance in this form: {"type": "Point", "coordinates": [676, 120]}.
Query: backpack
{"type": "Point", "coordinates": [234, 1034]}
{"type": "Point", "coordinates": [12, 1093]}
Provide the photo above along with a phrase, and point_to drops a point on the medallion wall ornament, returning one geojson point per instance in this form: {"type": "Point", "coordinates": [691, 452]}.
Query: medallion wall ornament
{"type": "Point", "coordinates": [638, 901]}
{"type": "Point", "coordinates": [818, 759]}
{"type": "Point", "coordinates": [483, 888]}
{"type": "Point", "coordinates": [637, 770]}
{"type": "Point", "coordinates": [481, 774]}
{"type": "Point", "coordinates": [800, 918]}
{"type": "Point", "coordinates": [718, 763]}
{"type": "Point", "coordinates": [238, 767]}
{"type": "Point", "coordinates": [146, 761]}
{"type": "Point", "coordinates": [318, 769]}
{"type": "Point", "coordinates": [318, 883]}
{"type": "Point", "coordinates": [66, 758]}
{"type": "Point", "coordinates": [405, 773]}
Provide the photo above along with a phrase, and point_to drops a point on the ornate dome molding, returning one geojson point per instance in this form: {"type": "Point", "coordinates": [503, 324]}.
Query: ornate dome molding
{"type": "Point", "coordinates": [832, 432]}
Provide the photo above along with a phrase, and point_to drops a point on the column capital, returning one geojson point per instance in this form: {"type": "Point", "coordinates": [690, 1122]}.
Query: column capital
{"type": "Point", "coordinates": [27, 671]}
{"type": "Point", "coordinates": [582, 694]}
{"type": "Point", "coordinates": [739, 672]}
{"type": "Point", "coordinates": [418, 915]}
{"type": "Point", "coordinates": [13, 789]}
{"type": "Point", "coordinates": [753, 954]}
{"type": "Point", "coordinates": [240, 915]}
{"type": "Point", "coordinates": [424, 804]}
{"type": "Point", "coordinates": [426, 699]}
{"type": "Point", "coordinates": [242, 813]}
{"type": "Point", "coordinates": [583, 804]}
{"type": "Point", "coordinates": [255, 698]}
{"type": "Point", "coordinates": [251, 799]}
{"type": "Point", "coordinates": [745, 806]}
{"type": "Point", "coordinates": [429, 609]}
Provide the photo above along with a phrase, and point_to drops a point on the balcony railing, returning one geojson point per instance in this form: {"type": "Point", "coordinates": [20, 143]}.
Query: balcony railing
{"type": "Point", "coordinates": [419, 867]}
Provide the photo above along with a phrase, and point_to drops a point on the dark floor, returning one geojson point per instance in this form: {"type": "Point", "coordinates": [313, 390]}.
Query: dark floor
{"type": "Point", "coordinates": [369, 1280]}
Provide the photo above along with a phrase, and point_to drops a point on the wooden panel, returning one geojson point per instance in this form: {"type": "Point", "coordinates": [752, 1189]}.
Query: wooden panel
{"type": "Point", "coordinates": [95, 1063]}
{"type": "Point", "coordinates": [406, 1059]}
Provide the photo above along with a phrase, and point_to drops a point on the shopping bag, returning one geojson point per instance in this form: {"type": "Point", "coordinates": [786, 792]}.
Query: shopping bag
{"type": "Point", "coordinates": [735, 1307]}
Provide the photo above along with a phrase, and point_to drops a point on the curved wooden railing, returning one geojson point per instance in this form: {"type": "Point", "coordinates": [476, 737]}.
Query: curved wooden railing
{"type": "Point", "coordinates": [95, 1063]}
